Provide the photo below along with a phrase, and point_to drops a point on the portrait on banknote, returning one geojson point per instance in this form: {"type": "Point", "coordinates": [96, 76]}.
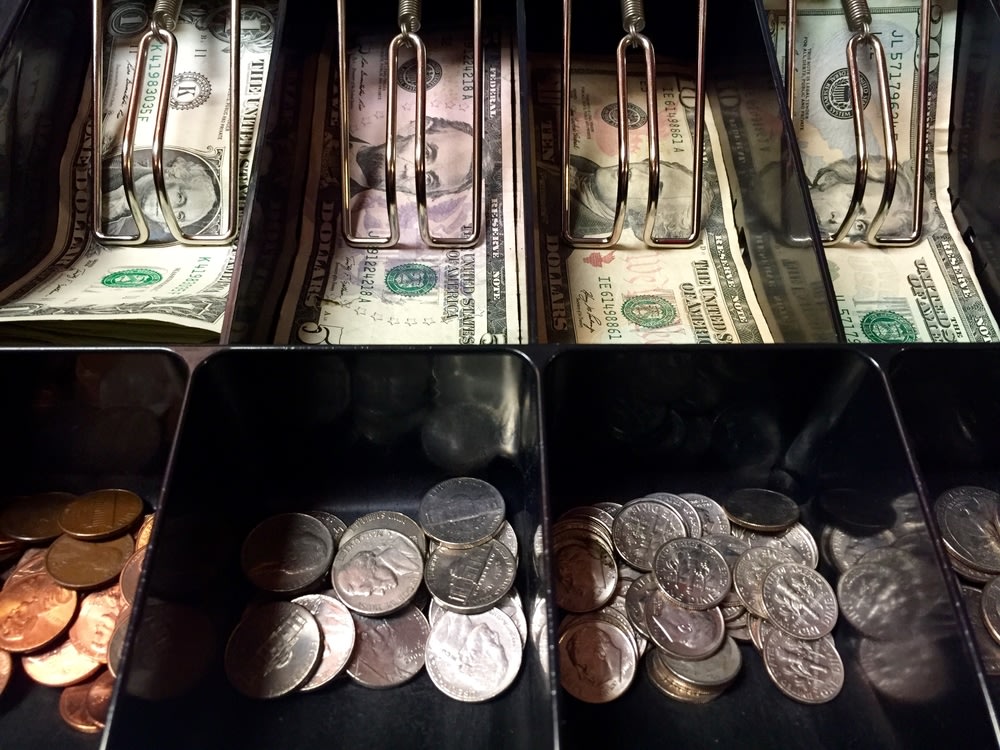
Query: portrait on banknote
{"type": "Point", "coordinates": [192, 185]}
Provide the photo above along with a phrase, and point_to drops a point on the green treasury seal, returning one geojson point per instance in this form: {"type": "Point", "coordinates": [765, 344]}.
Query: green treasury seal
{"type": "Point", "coordinates": [411, 279]}
{"type": "Point", "coordinates": [128, 278]}
{"type": "Point", "coordinates": [649, 311]}
{"type": "Point", "coordinates": [887, 327]}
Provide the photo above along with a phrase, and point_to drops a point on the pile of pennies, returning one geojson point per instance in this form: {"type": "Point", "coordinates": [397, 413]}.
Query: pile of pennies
{"type": "Point", "coordinates": [678, 579]}
{"type": "Point", "coordinates": [969, 519]}
{"type": "Point", "coordinates": [65, 603]}
{"type": "Point", "coordinates": [384, 597]}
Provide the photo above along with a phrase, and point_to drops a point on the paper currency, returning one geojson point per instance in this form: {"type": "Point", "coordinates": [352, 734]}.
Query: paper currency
{"type": "Point", "coordinates": [409, 294]}
{"type": "Point", "coordinates": [168, 293]}
{"type": "Point", "coordinates": [628, 293]}
{"type": "Point", "coordinates": [928, 292]}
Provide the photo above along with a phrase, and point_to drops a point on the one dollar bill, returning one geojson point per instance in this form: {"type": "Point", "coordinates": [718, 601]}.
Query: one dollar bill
{"type": "Point", "coordinates": [167, 292]}
{"type": "Point", "coordinates": [629, 293]}
{"type": "Point", "coordinates": [927, 292]}
{"type": "Point", "coordinates": [409, 293]}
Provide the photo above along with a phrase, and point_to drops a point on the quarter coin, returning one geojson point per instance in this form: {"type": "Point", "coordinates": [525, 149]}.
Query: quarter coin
{"type": "Point", "coordinates": [273, 650]}
{"type": "Point", "coordinates": [965, 517]}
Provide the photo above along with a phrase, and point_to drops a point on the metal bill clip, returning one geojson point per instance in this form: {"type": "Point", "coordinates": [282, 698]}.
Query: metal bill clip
{"type": "Point", "coordinates": [859, 21]}
{"type": "Point", "coordinates": [153, 100]}
{"type": "Point", "coordinates": [409, 19]}
{"type": "Point", "coordinates": [633, 22]}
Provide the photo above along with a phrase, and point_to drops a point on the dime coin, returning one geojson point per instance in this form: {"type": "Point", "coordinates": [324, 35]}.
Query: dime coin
{"type": "Point", "coordinates": [388, 651]}
{"type": "Point", "coordinates": [87, 565]}
{"type": "Point", "coordinates": [673, 686]}
{"type": "Point", "coordinates": [799, 601]}
{"type": "Point", "coordinates": [333, 524]}
{"type": "Point", "coordinates": [692, 573]}
{"type": "Point", "coordinates": [92, 629]}
{"type": "Point", "coordinates": [796, 539]}
{"type": "Point", "coordinates": [609, 507]}
{"type": "Point", "coordinates": [461, 512]}
{"type": "Point", "coordinates": [748, 577]}
{"type": "Point", "coordinates": [806, 671]}
{"type": "Point", "coordinates": [73, 709]}
{"type": "Point", "coordinates": [965, 516]}
{"type": "Point", "coordinates": [287, 553]}
{"type": "Point", "coordinates": [60, 666]}
{"type": "Point", "coordinates": [635, 601]}
{"type": "Point", "coordinates": [470, 580]}
{"type": "Point", "coordinates": [100, 515]}
{"type": "Point", "coordinates": [377, 572]}
{"type": "Point", "coordinates": [597, 661]}
{"type": "Point", "coordinates": [273, 650]}
{"type": "Point", "coordinates": [641, 527]}
{"type": "Point", "coordinates": [35, 518]}
{"type": "Point", "coordinates": [687, 512]}
{"type": "Point", "coordinates": [681, 632]}
{"type": "Point", "coordinates": [388, 519]}
{"type": "Point", "coordinates": [586, 574]}
{"type": "Point", "coordinates": [337, 627]}
{"type": "Point", "coordinates": [34, 612]}
{"type": "Point", "coordinates": [717, 670]}
{"type": "Point", "coordinates": [761, 510]}
{"type": "Point", "coordinates": [473, 658]}
{"type": "Point", "coordinates": [713, 517]}
{"type": "Point", "coordinates": [590, 513]}
{"type": "Point", "coordinates": [6, 668]}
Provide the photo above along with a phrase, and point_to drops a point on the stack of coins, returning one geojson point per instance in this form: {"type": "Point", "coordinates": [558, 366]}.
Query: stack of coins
{"type": "Point", "coordinates": [969, 519]}
{"type": "Point", "coordinates": [357, 595]}
{"type": "Point", "coordinates": [890, 592]}
{"type": "Point", "coordinates": [692, 576]}
{"type": "Point", "coordinates": [65, 603]}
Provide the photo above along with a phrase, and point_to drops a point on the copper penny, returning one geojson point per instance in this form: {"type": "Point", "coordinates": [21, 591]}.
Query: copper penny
{"type": "Point", "coordinates": [116, 646]}
{"type": "Point", "coordinates": [61, 666]}
{"type": "Point", "coordinates": [92, 629]}
{"type": "Point", "coordinates": [34, 611]}
{"type": "Point", "coordinates": [87, 565]}
{"type": "Point", "coordinates": [73, 709]}
{"type": "Point", "coordinates": [99, 697]}
{"type": "Point", "coordinates": [101, 515]}
{"type": "Point", "coordinates": [6, 668]}
{"type": "Point", "coordinates": [145, 532]}
{"type": "Point", "coordinates": [32, 561]}
{"type": "Point", "coordinates": [129, 580]}
{"type": "Point", "coordinates": [35, 518]}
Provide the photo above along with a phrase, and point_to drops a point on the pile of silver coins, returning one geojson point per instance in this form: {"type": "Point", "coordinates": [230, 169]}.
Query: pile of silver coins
{"type": "Point", "coordinates": [969, 519]}
{"type": "Point", "coordinates": [384, 597]}
{"type": "Point", "coordinates": [678, 579]}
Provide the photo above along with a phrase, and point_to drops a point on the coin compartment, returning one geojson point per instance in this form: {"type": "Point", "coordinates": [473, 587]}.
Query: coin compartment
{"type": "Point", "coordinates": [624, 423]}
{"type": "Point", "coordinates": [952, 419]}
{"type": "Point", "coordinates": [348, 432]}
{"type": "Point", "coordinates": [80, 421]}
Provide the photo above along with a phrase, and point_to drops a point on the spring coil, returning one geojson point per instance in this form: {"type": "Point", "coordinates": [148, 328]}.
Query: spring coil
{"type": "Point", "coordinates": [409, 16]}
{"type": "Point", "coordinates": [859, 15]}
{"type": "Point", "coordinates": [633, 16]}
{"type": "Point", "coordinates": [165, 13]}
